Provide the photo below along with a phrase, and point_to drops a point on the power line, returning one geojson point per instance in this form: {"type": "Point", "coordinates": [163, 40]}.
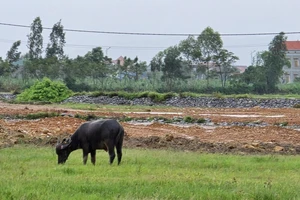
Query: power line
{"type": "Point", "coordinates": [150, 34]}
{"type": "Point", "coordinates": [132, 47]}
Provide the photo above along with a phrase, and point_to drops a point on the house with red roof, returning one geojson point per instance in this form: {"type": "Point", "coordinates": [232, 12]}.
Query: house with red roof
{"type": "Point", "coordinates": [293, 54]}
{"type": "Point", "coordinates": [119, 61]}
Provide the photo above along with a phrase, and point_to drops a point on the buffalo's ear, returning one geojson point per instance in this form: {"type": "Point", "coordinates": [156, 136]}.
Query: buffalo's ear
{"type": "Point", "coordinates": [66, 144]}
{"type": "Point", "coordinates": [66, 140]}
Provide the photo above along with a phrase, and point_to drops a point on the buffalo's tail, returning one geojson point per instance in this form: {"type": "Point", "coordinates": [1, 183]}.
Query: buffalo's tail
{"type": "Point", "coordinates": [119, 143]}
{"type": "Point", "coordinates": [120, 137]}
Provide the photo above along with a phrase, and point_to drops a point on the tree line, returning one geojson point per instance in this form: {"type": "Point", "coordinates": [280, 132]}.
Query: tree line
{"type": "Point", "coordinates": [191, 61]}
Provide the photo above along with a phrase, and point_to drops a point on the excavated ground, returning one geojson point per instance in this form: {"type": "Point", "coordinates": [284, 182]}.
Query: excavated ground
{"type": "Point", "coordinates": [215, 138]}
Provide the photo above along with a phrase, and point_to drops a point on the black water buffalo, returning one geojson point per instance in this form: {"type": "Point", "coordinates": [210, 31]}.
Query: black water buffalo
{"type": "Point", "coordinates": [99, 134]}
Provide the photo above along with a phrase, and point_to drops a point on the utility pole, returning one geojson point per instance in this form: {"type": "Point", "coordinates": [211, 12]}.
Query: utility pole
{"type": "Point", "coordinates": [252, 59]}
{"type": "Point", "coordinates": [107, 50]}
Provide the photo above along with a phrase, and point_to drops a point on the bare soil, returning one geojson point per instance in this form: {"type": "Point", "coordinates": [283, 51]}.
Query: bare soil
{"type": "Point", "coordinates": [270, 139]}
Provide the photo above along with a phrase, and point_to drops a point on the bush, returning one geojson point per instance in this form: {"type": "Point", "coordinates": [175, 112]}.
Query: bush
{"type": "Point", "coordinates": [39, 115]}
{"type": "Point", "coordinates": [201, 120]}
{"type": "Point", "coordinates": [218, 95]}
{"type": "Point", "coordinates": [296, 105]}
{"type": "Point", "coordinates": [188, 119]}
{"type": "Point", "coordinates": [45, 90]}
{"type": "Point", "coordinates": [243, 96]}
{"type": "Point", "coordinates": [157, 97]}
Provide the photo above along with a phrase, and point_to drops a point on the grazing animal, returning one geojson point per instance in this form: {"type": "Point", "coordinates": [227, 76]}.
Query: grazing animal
{"type": "Point", "coordinates": [100, 134]}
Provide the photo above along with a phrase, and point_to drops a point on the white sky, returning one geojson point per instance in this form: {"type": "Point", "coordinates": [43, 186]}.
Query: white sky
{"type": "Point", "coordinates": [154, 16]}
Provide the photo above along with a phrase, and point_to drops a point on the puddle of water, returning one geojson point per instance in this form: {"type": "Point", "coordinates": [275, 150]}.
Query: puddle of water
{"type": "Point", "coordinates": [183, 125]}
{"type": "Point", "coordinates": [244, 116]}
{"type": "Point", "coordinates": [156, 113]}
{"type": "Point", "coordinates": [209, 127]}
{"type": "Point", "coordinates": [188, 137]}
{"type": "Point", "coordinates": [141, 123]}
{"type": "Point", "coordinates": [241, 116]}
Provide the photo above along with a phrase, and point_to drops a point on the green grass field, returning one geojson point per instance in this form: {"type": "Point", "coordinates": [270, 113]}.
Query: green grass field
{"type": "Point", "coordinates": [29, 172]}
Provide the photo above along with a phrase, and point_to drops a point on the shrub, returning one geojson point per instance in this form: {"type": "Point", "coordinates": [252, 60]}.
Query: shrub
{"type": "Point", "coordinates": [218, 95]}
{"type": "Point", "coordinates": [281, 123]}
{"type": "Point", "coordinates": [143, 94]}
{"type": "Point", "coordinates": [45, 90]}
{"type": "Point", "coordinates": [201, 121]}
{"type": "Point", "coordinates": [188, 119]}
{"type": "Point", "coordinates": [243, 96]}
{"type": "Point", "coordinates": [157, 97]}
{"type": "Point", "coordinates": [39, 115]}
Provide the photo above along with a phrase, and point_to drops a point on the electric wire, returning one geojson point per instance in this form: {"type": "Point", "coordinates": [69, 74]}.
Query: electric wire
{"type": "Point", "coordinates": [150, 34]}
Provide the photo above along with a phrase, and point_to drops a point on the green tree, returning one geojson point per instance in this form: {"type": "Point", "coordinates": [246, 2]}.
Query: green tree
{"type": "Point", "coordinates": [97, 65]}
{"type": "Point", "coordinates": [191, 51]}
{"type": "Point", "coordinates": [255, 76]}
{"type": "Point", "coordinates": [250, 75]}
{"type": "Point", "coordinates": [51, 65]}
{"type": "Point", "coordinates": [57, 42]}
{"type": "Point", "coordinates": [173, 67]}
{"type": "Point", "coordinates": [137, 68]}
{"type": "Point", "coordinates": [74, 73]}
{"type": "Point", "coordinates": [124, 68]}
{"type": "Point", "coordinates": [96, 55]}
{"type": "Point", "coordinates": [155, 68]}
{"type": "Point", "coordinates": [210, 43]}
{"type": "Point", "coordinates": [33, 64]}
{"type": "Point", "coordinates": [157, 62]}
{"type": "Point", "coordinates": [268, 69]}
{"type": "Point", "coordinates": [4, 67]}
{"type": "Point", "coordinates": [35, 39]}
{"type": "Point", "coordinates": [13, 55]}
{"type": "Point", "coordinates": [188, 48]}
{"type": "Point", "coordinates": [223, 62]}
{"type": "Point", "coordinates": [274, 60]}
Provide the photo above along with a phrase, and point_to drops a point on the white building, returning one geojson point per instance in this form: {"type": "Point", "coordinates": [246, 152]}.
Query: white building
{"type": "Point", "coordinates": [293, 54]}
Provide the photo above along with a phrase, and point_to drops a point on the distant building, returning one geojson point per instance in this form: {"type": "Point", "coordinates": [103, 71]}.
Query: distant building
{"type": "Point", "coordinates": [119, 61]}
{"type": "Point", "coordinates": [293, 55]}
{"type": "Point", "coordinates": [241, 68]}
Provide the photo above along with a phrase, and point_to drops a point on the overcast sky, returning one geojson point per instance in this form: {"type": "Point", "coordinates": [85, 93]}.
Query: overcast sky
{"type": "Point", "coordinates": [151, 16]}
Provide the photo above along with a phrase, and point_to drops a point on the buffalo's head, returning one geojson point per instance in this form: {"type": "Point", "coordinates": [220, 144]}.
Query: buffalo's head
{"type": "Point", "coordinates": [63, 150]}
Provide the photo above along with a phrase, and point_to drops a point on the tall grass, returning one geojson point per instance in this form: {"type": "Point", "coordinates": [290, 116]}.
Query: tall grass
{"type": "Point", "coordinates": [29, 172]}
{"type": "Point", "coordinates": [9, 84]}
{"type": "Point", "coordinates": [151, 84]}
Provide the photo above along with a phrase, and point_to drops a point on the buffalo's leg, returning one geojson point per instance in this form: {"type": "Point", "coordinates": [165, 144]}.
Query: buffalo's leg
{"type": "Point", "coordinates": [85, 156]}
{"type": "Point", "coordinates": [111, 152]}
{"type": "Point", "coordinates": [119, 152]}
{"type": "Point", "coordinates": [93, 156]}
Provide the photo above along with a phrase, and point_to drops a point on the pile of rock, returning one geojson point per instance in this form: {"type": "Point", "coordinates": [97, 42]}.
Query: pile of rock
{"type": "Point", "coordinates": [190, 102]}
{"type": "Point", "coordinates": [210, 102]}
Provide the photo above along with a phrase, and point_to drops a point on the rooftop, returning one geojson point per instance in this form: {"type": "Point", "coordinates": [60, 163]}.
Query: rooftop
{"type": "Point", "coordinates": [292, 45]}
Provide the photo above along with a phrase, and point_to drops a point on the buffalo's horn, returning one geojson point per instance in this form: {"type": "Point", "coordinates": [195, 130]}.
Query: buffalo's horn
{"type": "Point", "coordinates": [69, 140]}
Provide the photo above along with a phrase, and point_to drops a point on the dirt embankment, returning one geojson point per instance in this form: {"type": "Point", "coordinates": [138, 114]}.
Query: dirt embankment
{"type": "Point", "coordinates": [269, 138]}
